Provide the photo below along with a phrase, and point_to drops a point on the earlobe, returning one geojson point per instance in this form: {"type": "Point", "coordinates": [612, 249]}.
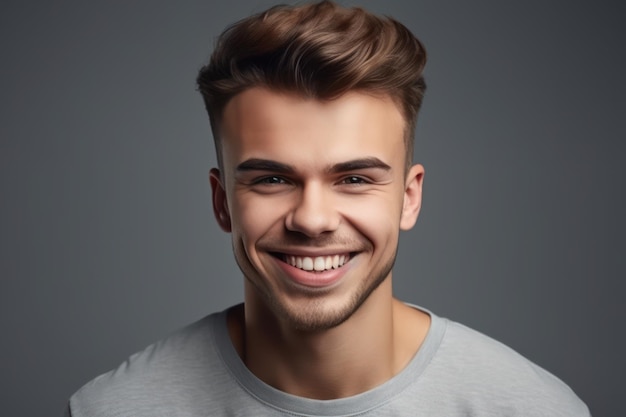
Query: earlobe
{"type": "Point", "coordinates": [220, 203]}
{"type": "Point", "coordinates": [412, 197]}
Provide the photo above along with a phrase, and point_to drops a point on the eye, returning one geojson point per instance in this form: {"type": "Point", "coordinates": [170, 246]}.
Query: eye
{"type": "Point", "coordinates": [354, 180]}
{"type": "Point", "coordinates": [270, 180]}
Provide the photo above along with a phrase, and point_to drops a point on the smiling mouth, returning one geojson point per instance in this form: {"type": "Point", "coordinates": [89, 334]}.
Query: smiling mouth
{"type": "Point", "coordinates": [315, 263]}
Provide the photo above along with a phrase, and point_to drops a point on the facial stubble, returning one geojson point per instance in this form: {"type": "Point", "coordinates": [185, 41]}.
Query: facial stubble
{"type": "Point", "coordinates": [313, 317]}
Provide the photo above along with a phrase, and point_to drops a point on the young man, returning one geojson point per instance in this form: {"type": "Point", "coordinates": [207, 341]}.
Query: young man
{"type": "Point", "coordinates": [313, 110]}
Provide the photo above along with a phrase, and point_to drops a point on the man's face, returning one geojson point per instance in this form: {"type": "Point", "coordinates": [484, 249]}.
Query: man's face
{"type": "Point", "coordinates": [314, 193]}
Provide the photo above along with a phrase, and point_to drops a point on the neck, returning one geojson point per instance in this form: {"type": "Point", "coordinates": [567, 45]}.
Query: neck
{"type": "Point", "coordinates": [366, 350]}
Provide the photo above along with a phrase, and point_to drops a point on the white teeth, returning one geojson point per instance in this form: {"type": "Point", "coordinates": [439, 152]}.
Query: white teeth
{"type": "Point", "coordinates": [318, 263]}
{"type": "Point", "coordinates": [307, 264]}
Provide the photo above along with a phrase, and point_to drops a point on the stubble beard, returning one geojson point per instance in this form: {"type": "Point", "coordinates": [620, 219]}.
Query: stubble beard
{"type": "Point", "coordinates": [315, 316]}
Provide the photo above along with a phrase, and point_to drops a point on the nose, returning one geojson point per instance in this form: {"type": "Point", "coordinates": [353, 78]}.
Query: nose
{"type": "Point", "coordinates": [313, 212]}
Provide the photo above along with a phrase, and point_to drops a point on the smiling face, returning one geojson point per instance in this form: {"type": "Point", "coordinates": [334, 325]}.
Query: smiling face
{"type": "Point", "coordinates": [314, 194]}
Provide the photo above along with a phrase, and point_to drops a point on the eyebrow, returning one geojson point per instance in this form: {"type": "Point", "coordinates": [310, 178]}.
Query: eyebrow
{"type": "Point", "coordinates": [257, 164]}
{"type": "Point", "coordinates": [358, 164]}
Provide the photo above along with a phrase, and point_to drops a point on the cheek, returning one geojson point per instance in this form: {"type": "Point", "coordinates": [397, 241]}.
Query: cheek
{"type": "Point", "coordinates": [378, 219]}
{"type": "Point", "coordinates": [252, 218]}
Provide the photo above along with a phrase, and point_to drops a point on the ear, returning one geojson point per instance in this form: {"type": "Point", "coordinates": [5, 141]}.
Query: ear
{"type": "Point", "coordinates": [412, 197]}
{"type": "Point", "coordinates": [220, 204]}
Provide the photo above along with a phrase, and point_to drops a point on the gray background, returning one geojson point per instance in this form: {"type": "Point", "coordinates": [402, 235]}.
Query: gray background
{"type": "Point", "coordinates": [106, 232]}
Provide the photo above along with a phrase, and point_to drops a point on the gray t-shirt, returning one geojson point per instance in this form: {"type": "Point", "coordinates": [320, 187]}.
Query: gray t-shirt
{"type": "Point", "coordinates": [456, 372]}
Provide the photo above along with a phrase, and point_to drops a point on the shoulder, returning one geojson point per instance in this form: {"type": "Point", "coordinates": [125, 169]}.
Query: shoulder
{"type": "Point", "coordinates": [156, 377]}
{"type": "Point", "coordinates": [486, 371]}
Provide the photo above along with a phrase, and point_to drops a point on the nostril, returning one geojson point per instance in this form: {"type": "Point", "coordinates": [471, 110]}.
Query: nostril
{"type": "Point", "coordinates": [312, 223]}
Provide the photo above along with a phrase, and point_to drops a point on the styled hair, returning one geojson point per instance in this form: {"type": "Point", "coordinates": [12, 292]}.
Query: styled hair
{"type": "Point", "coordinates": [319, 51]}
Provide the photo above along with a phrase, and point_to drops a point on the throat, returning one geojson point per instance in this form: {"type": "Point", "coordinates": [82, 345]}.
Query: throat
{"type": "Point", "coordinates": [335, 363]}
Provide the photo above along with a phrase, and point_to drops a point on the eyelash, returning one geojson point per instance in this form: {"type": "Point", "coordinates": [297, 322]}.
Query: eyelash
{"type": "Point", "coordinates": [270, 180]}
{"type": "Point", "coordinates": [277, 180]}
{"type": "Point", "coordinates": [349, 180]}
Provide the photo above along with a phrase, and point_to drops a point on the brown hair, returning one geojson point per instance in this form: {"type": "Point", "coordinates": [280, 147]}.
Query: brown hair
{"type": "Point", "coordinates": [319, 51]}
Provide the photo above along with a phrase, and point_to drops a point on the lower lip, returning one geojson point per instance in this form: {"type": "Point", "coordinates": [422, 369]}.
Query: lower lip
{"type": "Point", "coordinates": [313, 279]}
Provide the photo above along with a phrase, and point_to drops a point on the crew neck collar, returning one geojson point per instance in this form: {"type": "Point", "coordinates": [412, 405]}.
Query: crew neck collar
{"type": "Point", "coordinates": [356, 404]}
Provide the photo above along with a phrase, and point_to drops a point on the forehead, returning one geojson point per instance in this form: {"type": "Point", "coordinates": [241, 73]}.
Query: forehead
{"type": "Point", "coordinates": [259, 123]}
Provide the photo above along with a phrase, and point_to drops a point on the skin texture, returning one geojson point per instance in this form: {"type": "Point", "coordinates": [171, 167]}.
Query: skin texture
{"type": "Point", "coordinates": [310, 178]}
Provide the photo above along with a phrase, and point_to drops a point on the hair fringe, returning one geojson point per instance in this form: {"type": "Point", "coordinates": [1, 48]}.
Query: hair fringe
{"type": "Point", "coordinates": [320, 51]}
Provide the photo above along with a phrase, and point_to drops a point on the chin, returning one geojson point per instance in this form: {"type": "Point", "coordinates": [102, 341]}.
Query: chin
{"type": "Point", "coordinates": [315, 314]}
